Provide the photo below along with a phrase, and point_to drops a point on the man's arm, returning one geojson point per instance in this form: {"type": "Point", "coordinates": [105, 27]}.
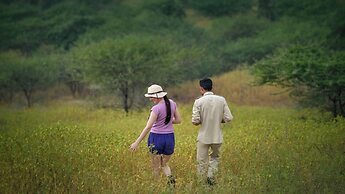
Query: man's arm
{"type": "Point", "coordinates": [227, 116]}
{"type": "Point", "coordinates": [196, 114]}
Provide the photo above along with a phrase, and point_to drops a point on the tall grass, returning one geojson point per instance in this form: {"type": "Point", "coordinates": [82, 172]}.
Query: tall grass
{"type": "Point", "coordinates": [75, 149]}
{"type": "Point", "coordinates": [238, 87]}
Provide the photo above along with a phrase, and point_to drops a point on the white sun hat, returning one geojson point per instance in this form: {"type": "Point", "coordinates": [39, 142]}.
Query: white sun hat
{"type": "Point", "coordinates": [155, 91]}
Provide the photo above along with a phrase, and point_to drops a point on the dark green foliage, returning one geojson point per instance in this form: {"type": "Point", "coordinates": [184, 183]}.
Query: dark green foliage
{"type": "Point", "coordinates": [196, 38]}
{"type": "Point", "coordinates": [40, 3]}
{"type": "Point", "coordinates": [220, 7]}
{"type": "Point", "coordinates": [311, 72]}
{"type": "Point", "coordinates": [127, 65]}
{"type": "Point", "coordinates": [26, 27]}
{"type": "Point", "coordinates": [282, 33]}
{"type": "Point", "coordinates": [266, 9]}
{"type": "Point", "coordinates": [66, 22]}
{"type": "Point", "coordinates": [236, 27]}
{"type": "Point", "coordinates": [71, 72]}
{"type": "Point", "coordinates": [166, 7]}
{"type": "Point", "coordinates": [246, 26]}
{"type": "Point", "coordinates": [144, 21]}
{"type": "Point", "coordinates": [19, 27]}
{"type": "Point", "coordinates": [7, 85]}
{"type": "Point", "coordinates": [27, 74]}
{"type": "Point", "coordinates": [307, 8]}
{"type": "Point", "coordinates": [337, 25]}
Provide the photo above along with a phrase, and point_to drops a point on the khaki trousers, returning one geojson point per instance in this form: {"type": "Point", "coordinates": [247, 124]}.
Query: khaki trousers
{"type": "Point", "coordinates": [207, 163]}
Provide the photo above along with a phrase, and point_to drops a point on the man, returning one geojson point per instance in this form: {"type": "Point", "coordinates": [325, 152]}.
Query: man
{"type": "Point", "coordinates": [209, 111]}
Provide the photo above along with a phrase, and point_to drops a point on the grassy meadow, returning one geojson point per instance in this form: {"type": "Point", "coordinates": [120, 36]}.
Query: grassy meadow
{"type": "Point", "coordinates": [80, 143]}
{"type": "Point", "coordinates": [69, 148]}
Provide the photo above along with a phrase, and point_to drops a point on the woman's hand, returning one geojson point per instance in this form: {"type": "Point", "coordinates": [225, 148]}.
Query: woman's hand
{"type": "Point", "coordinates": [134, 146]}
{"type": "Point", "coordinates": [152, 119]}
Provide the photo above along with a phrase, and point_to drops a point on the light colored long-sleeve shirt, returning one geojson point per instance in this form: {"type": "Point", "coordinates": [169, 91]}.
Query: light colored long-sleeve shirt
{"type": "Point", "coordinates": [210, 111]}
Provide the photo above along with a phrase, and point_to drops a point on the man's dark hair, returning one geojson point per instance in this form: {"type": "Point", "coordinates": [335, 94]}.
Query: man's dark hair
{"type": "Point", "coordinates": [206, 83]}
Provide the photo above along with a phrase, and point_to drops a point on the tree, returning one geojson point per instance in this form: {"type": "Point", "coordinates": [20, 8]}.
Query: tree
{"type": "Point", "coordinates": [26, 26]}
{"type": "Point", "coordinates": [67, 21]}
{"type": "Point", "coordinates": [20, 27]}
{"type": "Point", "coordinates": [220, 7]}
{"type": "Point", "coordinates": [27, 73]}
{"type": "Point", "coordinates": [166, 7]}
{"type": "Point", "coordinates": [311, 71]}
{"type": "Point", "coordinates": [128, 65]}
{"type": "Point", "coordinates": [266, 9]}
{"type": "Point", "coordinates": [6, 83]}
{"type": "Point", "coordinates": [72, 72]}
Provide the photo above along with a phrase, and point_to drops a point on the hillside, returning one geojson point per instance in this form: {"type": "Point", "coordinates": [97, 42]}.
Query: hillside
{"type": "Point", "coordinates": [122, 46]}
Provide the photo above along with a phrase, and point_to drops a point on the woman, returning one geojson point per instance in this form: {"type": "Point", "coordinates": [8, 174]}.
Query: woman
{"type": "Point", "coordinates": [161, 141]}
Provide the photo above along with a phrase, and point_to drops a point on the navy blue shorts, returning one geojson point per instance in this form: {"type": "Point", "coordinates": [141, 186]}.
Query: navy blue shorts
{"type": "Point", "coordinates": [161, 143]}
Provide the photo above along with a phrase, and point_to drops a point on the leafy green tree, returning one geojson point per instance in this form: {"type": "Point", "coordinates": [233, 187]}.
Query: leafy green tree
{"type": "Point", "coordinates": [266, 9]}
{"type": "Point", "coordinates": [28, 74]}
{"type": "Point", "coordinates": [237, 27]}
{"type": "Point", "coordinates": [41, 3]}
{"type": "Point", "coordinates": [282, 33]}
{"type": "Point", "coordinates": [336, 38]}
{"type": "Point", "coordinates": [220, 7]}
{"type": "Point", "coordinates": [307, 9]}
{"type": "Point", "coordinates": [189, 63]}
{"type": "Point", "coordinates": [128, 65]}
{"type": "Point", "coordinates": [71, 71]}
{"type": "Point", "coordinates": [66, 21]}
{"type": "Point", "coordinates": [20, 27]}
{"type": "Point", "coordinates": [310, 71]}
{"type": "Point", "coordinates": [26, 27]}
{"type": "Point", "coordinates": [6, 83]}
{"type": "Point", "coordinates": [166, 7]}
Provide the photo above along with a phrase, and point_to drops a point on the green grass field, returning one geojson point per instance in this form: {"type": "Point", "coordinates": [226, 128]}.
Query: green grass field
{"type": "Point", "coordinates": [64, 148]}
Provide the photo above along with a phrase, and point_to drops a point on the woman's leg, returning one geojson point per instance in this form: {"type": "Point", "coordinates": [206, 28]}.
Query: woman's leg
{"type": "Point", "coordinates": [166, 169]}
{"type": "Point", "coordinates": [156, 163]}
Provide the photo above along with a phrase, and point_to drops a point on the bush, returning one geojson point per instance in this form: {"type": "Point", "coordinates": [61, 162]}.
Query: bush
{"type": "Point", "coordinates": [220, 7]}
{"type": "Point", "coordinates": [165, 7]}
{"type": "Point", "coordinates": [240, 26]}
{"type": "Point", "coordinates": [282, 33]}
{"type": "Point", "coordinates": [311, 71]}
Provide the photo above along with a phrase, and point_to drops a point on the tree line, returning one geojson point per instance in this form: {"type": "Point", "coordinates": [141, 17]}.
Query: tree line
{"type": "Point", "coordinates": [123, 46]}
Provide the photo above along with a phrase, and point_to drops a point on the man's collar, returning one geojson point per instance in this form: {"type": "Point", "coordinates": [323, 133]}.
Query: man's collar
{"type": "Point", "coordinates": [208, 93]}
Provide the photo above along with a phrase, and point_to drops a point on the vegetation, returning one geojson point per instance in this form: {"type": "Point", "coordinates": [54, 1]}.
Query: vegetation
{"type": "Point", "coordinates": [312, 72]}
{"type": "Point", "coordinates": [26, 74]}
{"type": "Point", "coordinates": [220, 7]}
{"type": "Point", "coordinates": [58, 55]}
{"type": "Point", "coordinates": [201, 38]}
{"type": "Point", "coordinates": [126, 65]}
{"type": "Point", "coordinates": [72, 148]}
